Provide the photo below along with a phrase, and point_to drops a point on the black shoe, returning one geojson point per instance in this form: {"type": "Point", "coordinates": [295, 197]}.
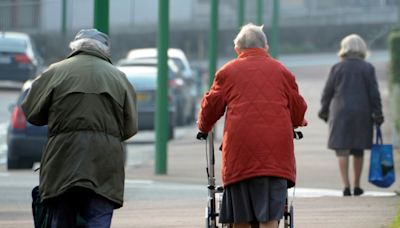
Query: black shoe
{"type": "Point", "coordinates": [358, 191]}
{"type": "Point", "coordinates": [346, 192]}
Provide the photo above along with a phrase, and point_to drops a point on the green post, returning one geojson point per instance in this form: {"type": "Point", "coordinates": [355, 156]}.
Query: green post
{"type": "Point", "coordinates": [213, 42]}
{"type": "Point", "coordinates": [260, 9]}
{"type": "Point", "coordinates": [161, 118]}
{"type": "Point", "coordinates": [101, 12]}
{"type": "Point", "coordinates": [274, 44]}
{"type": "Point", "coordinates": [241, 12]}
{"type": "Point", "coordinates": [64, 17]}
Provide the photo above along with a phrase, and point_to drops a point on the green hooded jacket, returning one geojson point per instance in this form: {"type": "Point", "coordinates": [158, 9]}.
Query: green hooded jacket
{"type": "Point", "coordinates": [90, 109]}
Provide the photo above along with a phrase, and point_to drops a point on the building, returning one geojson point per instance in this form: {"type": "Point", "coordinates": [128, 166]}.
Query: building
{"type": "Point", "coordinates": [318, 25]}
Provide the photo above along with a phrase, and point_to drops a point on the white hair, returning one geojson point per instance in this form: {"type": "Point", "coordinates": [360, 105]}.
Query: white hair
{"type": "Point", "coordinates": [353, 45]}
{"type": "Point", "coordinates": [251, 36]}
{"type": "Point", "coordinates": [91, 44]}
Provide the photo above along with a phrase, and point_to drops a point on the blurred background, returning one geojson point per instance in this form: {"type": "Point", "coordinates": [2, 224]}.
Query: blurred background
{"type": "Point", "coordinates": [305, 25]}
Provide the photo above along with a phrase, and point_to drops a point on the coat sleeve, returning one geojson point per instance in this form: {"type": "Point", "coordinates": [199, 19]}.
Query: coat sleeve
{"type": "Point", "coordinates": [37, 103]}
{"type": "Point", "coordinates": [213, 105]}
{"type": "Point", "coordinates": [374, 95]}
{"type": "Point", "coordinates": [130, 113]}
{"type": "Point", "coordinates": [297, 104]}
{"type": "Point", "coordinates": [327, 95]}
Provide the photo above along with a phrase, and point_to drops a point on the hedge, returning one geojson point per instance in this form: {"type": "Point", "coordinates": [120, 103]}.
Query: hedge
{"type": "Point", "coordinates": [394, 47]}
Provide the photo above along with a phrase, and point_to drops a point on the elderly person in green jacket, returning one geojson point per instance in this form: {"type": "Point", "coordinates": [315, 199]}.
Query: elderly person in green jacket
{"type": "Point", "coordinates": [90, 109]}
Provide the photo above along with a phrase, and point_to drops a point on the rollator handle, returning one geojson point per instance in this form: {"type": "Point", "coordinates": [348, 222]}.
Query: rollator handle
{"type": "Point", "coordinates": [297, 135]}
{"type": "Point", "coordinates": [201, 136]}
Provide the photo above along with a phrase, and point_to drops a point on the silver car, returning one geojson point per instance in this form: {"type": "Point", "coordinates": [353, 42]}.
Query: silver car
{"type": "Point", "coordinates": [144, 80]}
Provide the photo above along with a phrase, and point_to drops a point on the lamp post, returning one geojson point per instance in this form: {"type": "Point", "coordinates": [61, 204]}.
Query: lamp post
{"type": "Point", "coordinates": [101, 15]}
{"type": "Point", "coordinates": [161, 117]}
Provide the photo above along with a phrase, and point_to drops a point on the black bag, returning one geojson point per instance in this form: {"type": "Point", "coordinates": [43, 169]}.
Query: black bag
{"type": "Point", "coordinates": [42, 215]}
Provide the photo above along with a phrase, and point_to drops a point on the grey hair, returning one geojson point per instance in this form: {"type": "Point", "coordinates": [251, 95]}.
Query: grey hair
{"type": "Point", "coordinates": [351, 45]}
{"type": "Point", "coordinates": [251, 36]}
{"type": "Point", "coordinates": [91, 44]}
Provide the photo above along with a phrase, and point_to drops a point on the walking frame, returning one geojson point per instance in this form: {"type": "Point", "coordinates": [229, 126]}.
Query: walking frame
{"type": "Point", "coordinates": [214, 202]}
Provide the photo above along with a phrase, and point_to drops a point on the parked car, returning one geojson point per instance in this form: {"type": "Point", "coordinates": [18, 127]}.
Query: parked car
{"type": "Point", "coordinates": [177, 55]}
{"type": "Point", "coordinates": [25, 142]}
{"type": "Point", "coordinates": [144, 80]}
{"type": "Point", "coordinates": [19, 60]}
{"type": "Point", "coordinates": [186, 92]}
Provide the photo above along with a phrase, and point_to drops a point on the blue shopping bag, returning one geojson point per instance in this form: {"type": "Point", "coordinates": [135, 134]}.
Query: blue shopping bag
{"type": "Point", "coordinates": [381, 169]}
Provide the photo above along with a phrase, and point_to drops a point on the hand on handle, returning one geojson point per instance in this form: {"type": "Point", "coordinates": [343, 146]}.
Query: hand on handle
{"type": "Point", "coordinates": [201, 135]}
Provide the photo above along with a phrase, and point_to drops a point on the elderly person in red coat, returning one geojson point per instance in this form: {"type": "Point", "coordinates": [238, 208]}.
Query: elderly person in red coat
{"type": "Point", "coordinates": [262, 105]}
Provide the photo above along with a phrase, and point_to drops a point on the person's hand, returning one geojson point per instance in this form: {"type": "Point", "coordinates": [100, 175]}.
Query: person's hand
{"type": "Point", "coordinates": [323, 116]}
{"type": "Point", "coordinates": [201, 135]}
{"type": "Point", "coordinates": [297, 134]}
{"type": "Point", "coordinates": [304, 123]}
{"type": "Point", "coordinates": [378, 120]}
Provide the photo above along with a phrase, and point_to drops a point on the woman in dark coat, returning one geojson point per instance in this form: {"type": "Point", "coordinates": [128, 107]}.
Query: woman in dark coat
{"type": "Point", "coordinates": [351, 104]}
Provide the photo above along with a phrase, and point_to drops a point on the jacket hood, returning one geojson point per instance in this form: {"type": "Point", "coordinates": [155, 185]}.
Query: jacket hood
{"type": "Point", "coordinates": [89, 51]}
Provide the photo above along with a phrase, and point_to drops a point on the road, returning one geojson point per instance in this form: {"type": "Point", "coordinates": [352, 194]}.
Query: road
{"type": "Point", "coordinates": [178, 199]}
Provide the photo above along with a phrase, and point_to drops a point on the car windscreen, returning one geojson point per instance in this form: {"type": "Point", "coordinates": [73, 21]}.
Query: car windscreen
{"type": "Point", "coordinates": [12, 45]}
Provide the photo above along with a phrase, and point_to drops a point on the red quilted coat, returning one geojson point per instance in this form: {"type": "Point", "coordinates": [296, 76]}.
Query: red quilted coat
{"type": "Point", "coordinates": [262, 105]}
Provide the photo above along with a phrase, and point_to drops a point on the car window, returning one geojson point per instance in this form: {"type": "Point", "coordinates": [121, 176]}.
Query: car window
{"type": "Point", "coordinates": [179, 64]}
{"type": "Point", "coordinates": [141, 82]}
{"type": "Point", "coordinates": [12, 45]}
{"type": "Point", "coordinates": [22, 96]}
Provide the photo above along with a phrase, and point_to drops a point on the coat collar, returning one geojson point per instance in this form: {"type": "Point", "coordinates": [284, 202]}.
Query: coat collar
{"type": "Point", "coordinates": [89, 51]}
{"type": "Point", "coordinates": [252, 52]}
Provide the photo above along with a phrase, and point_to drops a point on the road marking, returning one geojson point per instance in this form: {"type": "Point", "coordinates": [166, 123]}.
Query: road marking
{"type": "Point", "coordinates": [16, 179]}
{"type": "Point", "coordinates": [131, 181]}
{"type": "Point", "coordinates": [299, 192]}
{"type": "Point", "coordinates": [315, 193]}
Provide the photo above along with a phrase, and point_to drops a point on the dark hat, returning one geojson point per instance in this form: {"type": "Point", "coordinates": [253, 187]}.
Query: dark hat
{"type": "Point", "coordinates": [93, 34]}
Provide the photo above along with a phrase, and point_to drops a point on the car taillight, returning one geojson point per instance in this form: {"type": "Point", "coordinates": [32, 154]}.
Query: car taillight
{"type": "Point", "coordinates": [22, 58]}
{"type": "Point", "coordinates": [18, 120]}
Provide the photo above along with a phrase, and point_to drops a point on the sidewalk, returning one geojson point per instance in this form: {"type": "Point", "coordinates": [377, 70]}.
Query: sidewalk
{"type": "Point", "coordinates": [316, 169]}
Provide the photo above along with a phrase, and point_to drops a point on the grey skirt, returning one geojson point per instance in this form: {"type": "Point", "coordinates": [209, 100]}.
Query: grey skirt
{"type": "Point", "coordinates": [258, 199]}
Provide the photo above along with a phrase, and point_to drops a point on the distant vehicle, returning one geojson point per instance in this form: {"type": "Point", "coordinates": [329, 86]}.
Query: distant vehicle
{"type": "Point", "coordinates": [19, 60]}
{"type": "Point", "coordinates": [25, 142]}
{"type": "Point", "coordinates": [147, 62]}
{"type": "Point", "coordinates": [144, 80]}
{"type": "Point", "coordinates": [177, 55]}
{"type": "Point", "coordinates": [182, 89]}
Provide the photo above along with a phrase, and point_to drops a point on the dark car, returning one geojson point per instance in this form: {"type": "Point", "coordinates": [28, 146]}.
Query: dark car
{"type": "Point", "coordinates": [144, 80]}
{"type": "Point", "coordinates": [25, 141]}
{"type": "Point", "coordinates": [19, 60]}
{"type": "Point", "coordinates": [184, 88]}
